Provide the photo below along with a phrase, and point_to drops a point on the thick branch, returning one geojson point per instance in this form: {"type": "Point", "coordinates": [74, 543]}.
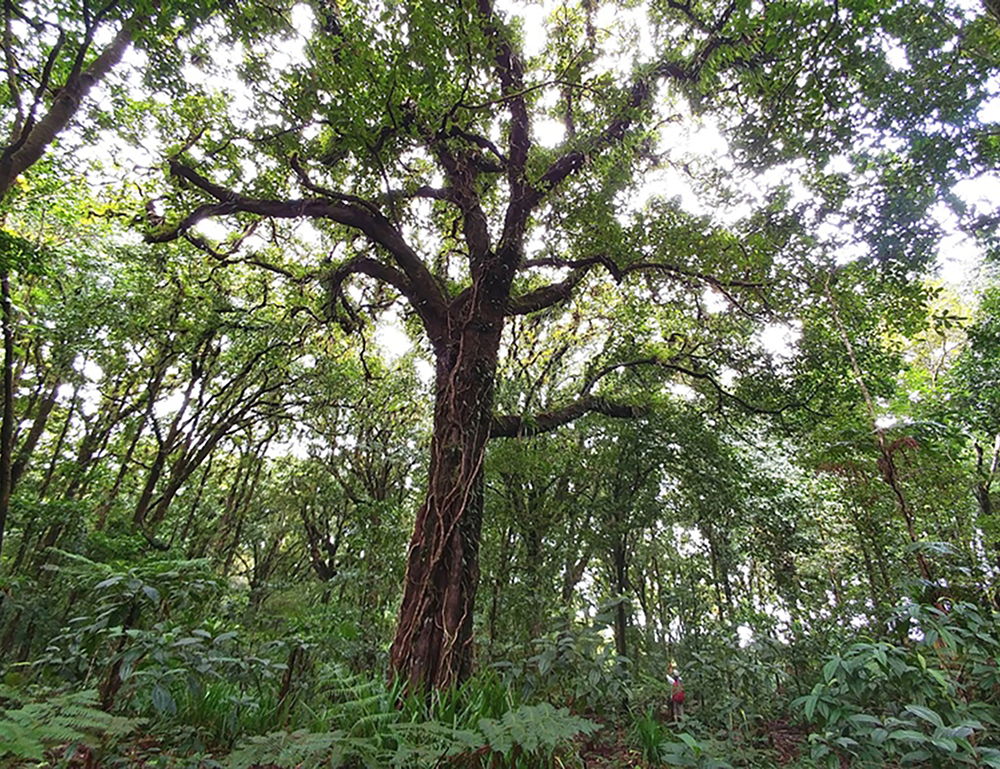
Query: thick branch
{"type": "Point", "coordinates": [510, 72]}
{"type": "Point", "coordinates": [422, 291]}
{"type": "Point", "coordinates": [518, 427]}
{"type": "Point", "coordinates": [373, 268]}
{"type": "Point", "coordinates": [546, 296]}
{"type": "Point", "coordinates": [16, 160]}
{"type": "Point", "coordinates": [552, 294]}
{"type": "Point", "coordinates": [462, 176]}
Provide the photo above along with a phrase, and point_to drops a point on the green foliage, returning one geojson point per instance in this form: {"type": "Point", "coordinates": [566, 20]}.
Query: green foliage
{"type": "Point", "coordinates": [215, 487]}
{"type": "Point", "coordinates": [933, 700]}
{"type": "Point", "coordinates": [576, 666]}
{"type": "Point", "coordinates": [378, 726]}
{"type": "Point", "coordinates": [16, 253]}
{"type": "Point", "coordinates": [530, 734]}
{"type": "Point", "coordinates": [692, 743]}
{"type": "Point", "coordinates": [53, 719]}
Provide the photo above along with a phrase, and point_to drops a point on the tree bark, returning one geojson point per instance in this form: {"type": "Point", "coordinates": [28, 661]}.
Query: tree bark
{"type": "Point", "coordinates": [32, 141]}
{"type": "Point", "coordinates": [38, 425]}
{"type": "Point", "coordinates": [620, 557]}
{"type": "Point", "coordinates": [433, 642]}
{"type": "Point", "coordinates": [7, 423]}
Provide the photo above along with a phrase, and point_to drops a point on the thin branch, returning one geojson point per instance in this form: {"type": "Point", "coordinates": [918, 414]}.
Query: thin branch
{"type": "Point", "coordinates": [507, 98]}
{"type": "Point", "coordinates": [480, 141]}
{"type": "Point", "coordinates": [12, 70]}
{"type": "Point", "coordinates": [227, 257]}
{"type": "Point", "coordinates": [576, 264]}
{"type": "Point", "coordinates": [602, 372]}
{"type": "Point", "coordinates": [640, 95]}
{"type": "Point", "coordinates": [300, 172]}
{"type": "Point", "coordinates": [46, 79]}
{"type": "Point", "coordinates": [424, 191]}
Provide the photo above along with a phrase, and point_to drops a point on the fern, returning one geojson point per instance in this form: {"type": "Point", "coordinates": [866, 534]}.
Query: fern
{"type": "Point", "coordinates": [300, 749]}
{"type": "Point", "coordinates": [28, 731]}
{"type": "Point", "coordinates": [535, 730]}
{"type": "Point", "coordinates": [530, 731]}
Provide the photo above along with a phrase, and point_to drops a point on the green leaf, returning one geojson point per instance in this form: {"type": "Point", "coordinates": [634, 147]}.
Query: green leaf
{"type": "Point", "coordinates": [908, 735]}
{"type": "Point", "coordinates": [162, 701]}
{"type": "Point", "coordinates": [925, 713]}
{"type": "Point", "coordinates": [945, 743]}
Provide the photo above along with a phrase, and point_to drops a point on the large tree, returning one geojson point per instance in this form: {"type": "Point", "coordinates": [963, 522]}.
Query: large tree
{"type": "Point", "coordinates": [450, 159]}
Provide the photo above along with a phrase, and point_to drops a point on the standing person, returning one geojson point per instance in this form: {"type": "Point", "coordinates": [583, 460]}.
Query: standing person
{"type": "Point", "coordinates": [677, 696]}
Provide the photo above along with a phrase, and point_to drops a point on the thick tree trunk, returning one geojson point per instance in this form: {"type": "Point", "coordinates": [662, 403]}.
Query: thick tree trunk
{"type": "Point", "coordinates": [433, 643]}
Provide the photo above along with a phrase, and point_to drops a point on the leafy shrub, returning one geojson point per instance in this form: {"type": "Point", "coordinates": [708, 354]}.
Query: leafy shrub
{"type": "Point", "coordinates": [930, 700]}
{"type": "Point", "coordinates": [577, 666]}
{"type": "Point", "coordinates": [694, 745]}
{"type": "Point", "coordinates": [742, 684]}
{"type": "Point", "coordinates": [146, 642]}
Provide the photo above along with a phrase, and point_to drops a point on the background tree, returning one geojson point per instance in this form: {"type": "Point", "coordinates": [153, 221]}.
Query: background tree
{"type": "Point", "coordinates": [423, 154]}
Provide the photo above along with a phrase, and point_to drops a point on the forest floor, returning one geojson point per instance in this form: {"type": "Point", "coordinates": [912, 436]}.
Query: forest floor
{"type": "Point", "coordinates": [611, 747]}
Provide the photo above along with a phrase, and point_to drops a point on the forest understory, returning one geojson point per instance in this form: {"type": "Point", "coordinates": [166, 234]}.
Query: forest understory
{"type": "Point", "coordinates": [499, 385]}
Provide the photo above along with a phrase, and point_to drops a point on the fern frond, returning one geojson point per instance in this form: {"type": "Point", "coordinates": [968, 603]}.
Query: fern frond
{"type": "Point", "coordinates": [300, 749]}
{"type": "Point", "coordinates": [28, 731]}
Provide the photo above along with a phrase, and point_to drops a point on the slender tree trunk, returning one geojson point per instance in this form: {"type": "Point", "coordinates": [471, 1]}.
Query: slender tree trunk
{"type": "Point", "coordinates": [500, 581]}
{"type": "Point", "coordinates": [38, 425]}
{"type": "Point", "coordinates": [166, 446]}
{"type": "Point", "coordinates": [195, 505]}
{"type": "Point", "coordinates": [7, 424]}
{"type": "Point", "coordinates": [886, 463]}
{"type": "Point", "coordinates": [60, 442]}
{"type": "Point", "coordinates": [620, 557]}
{"type": "Point", "coordinates": [433, 643]}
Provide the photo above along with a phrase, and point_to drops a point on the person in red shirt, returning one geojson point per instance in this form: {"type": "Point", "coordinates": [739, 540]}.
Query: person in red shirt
{"type": "Point", "coordinates": [677, 696]}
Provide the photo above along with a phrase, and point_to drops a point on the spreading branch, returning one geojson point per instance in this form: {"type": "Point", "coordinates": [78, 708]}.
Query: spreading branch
{"type": "Point", "coordinates": [373, 268]}
{"type": "Point", "coordinates": [525, 427]}
{"type": "Point", "coordinates": [639, 96]}
{"type": "Point", "coordinates": [36, 137]}
{"type": "Point", "coordinates": [546, 296]}
{"type": "Point", "coordinates": [555, 293]}
{"type": "Point", "coordinates": [722, 393]}
{"type": "Point", "coordinates": [306, 182]}
{"type": "Point", "coordinates": [421, 289]}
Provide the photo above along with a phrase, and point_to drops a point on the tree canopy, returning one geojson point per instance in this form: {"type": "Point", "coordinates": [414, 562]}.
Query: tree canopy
{"type": "Point", "coordinates": [622, 315]}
